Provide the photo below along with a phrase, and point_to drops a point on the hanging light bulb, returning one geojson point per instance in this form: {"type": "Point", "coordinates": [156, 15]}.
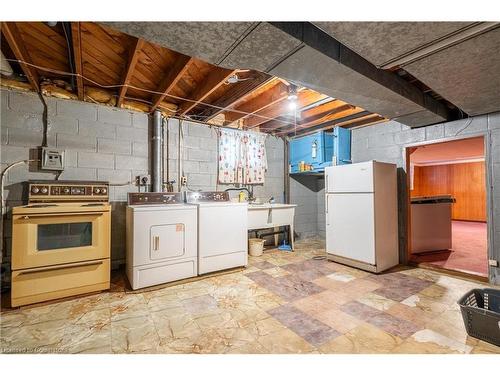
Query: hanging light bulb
{"type": "Point", "coordinates": [292, 92]}
{"type": "Point", "coordinates": [292, 104]}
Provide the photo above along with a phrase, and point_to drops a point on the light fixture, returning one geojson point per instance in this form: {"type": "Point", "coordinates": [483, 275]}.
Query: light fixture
{"type": "Point", "coordinates": [232, 79]}
{"type": "Point", "coordinates": [292, 104]}
{"type": "Point", "coordinates": [292, 92]}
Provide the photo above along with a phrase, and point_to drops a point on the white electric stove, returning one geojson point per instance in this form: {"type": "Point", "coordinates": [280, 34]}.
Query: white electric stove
{"type": "Point", "coordinates": [162, 239]}
{"type": "Point", "coordinates": [222, 231]}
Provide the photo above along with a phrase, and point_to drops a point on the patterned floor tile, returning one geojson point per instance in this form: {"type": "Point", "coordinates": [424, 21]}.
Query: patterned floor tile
{"type": "Point", "coordinates": [312, 330]}
{"type": "Point", "coordinates": [316, 303]}
{"type": "Point", "coordinates": [360, 310]}
{"type": "Point", "coordinates": [338, 320]}
{"type": "Point", "coordinates": [263, 265]}
{"type": "Point", "coordinates": [365, 338]}
{"type": "Point", "coordinates": [340, 276]}
{"type": "Point", "coordinates": [376, 301]}
{"type": "Point", "coordinates": [393, 325]}
{"type": "Point", "coordinates": [284, 302]}
{"type": "Point", "coordinates": [276, 272]}
{"type": "Point", "coordinates": [398, 286]}
{"type": "Point", "coordinates": [200, 304]}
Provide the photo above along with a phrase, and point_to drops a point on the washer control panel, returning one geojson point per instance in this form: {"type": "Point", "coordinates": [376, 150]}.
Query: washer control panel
{"type": "Point", "coordinates": [207, 196]}
{"type": "Point", "coordinates": [154, 198]}
{"type": "Point", "coordinates": [54, 191]}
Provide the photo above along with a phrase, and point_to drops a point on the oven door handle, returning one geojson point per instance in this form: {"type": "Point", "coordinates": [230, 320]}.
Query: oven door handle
{"type": "Point", "coordinates": [39, 216]}
{"type": "Point", "coordinates": [62, 266]}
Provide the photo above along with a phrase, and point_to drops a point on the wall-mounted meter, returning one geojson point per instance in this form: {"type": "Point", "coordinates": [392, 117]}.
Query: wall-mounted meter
{"type": "Point", "coordinates": [52, 159]}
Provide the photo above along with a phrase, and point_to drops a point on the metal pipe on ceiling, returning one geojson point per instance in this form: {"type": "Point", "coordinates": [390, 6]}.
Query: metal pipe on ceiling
{"type": "Point", "coordinates": [157, 153]}
{"type": "Point", "coordinates": [5, 67]}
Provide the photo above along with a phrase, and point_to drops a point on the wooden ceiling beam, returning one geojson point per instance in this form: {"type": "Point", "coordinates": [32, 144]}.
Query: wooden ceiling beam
{"type": "Point", "coordinates": [305, 97]}
{"type": "Point", "coordinates": [274, 95]}
{"type": "Point", "coordinates": [170, 79]}
{"type": "Point", "coordinates": [313, 115]}
{"type": "Point", "coordinates": [340, 118]}
{"type": "Point", "coordinates": [346, 110]}
{"type": "Point", "coordinates": [76, 37]}
{"type": "Point", "coordinates": [11, 33]}
{"type": "Point", "coordinates": [363, 121]}
{"type": "Point", "coordinates": [133, 58]}
{"type": "Point", "coordinates": [234, 97]}
{"type": "Point", "coordinates": [213, 81]}
{"type": "Point", "coordinates": [371, 119]}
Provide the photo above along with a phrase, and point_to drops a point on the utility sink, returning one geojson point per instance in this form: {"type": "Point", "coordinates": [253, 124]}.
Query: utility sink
{"type": "Point", "coordinates": [270, 215]}
{"type": "Point", "coordinates": [257, 206]}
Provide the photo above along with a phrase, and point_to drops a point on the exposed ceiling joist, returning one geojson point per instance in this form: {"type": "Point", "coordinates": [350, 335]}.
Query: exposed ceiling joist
{"type": "Point", "coordinates": [268, 98]}
{"type": "Point", "coordinates": [211, 83]}
{"type": "Point", "coordinates": [363, 121]}
{"type": "Point", "coordinates": [328, 125]}
{"type": "Point", "coordinates": [77, 58]}
{"type": "Point", "coordinates": [234, 97]}
{"type": "Point", "coordinates": [11, 33]}
{"type": "Point", "coordinates": [312, 116]}
{"type": "Point", "coordinates": [342, 112]}
{"type": "Point", "coordinates": [171, 79]}
{"type": "Point", "coordinates": [133, 57]}
{"type": "Point", "coordinates": [304, 98]}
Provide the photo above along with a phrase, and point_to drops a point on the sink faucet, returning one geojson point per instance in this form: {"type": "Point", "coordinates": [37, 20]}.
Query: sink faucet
{"type": "Point", "coordinates": [250, 197]}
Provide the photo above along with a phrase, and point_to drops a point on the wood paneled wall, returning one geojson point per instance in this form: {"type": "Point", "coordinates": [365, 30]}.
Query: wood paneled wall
{"type": "Point", "coordinates": [466, 182]}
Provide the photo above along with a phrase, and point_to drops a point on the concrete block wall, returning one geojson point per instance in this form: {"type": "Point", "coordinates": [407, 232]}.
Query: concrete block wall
{"type": "Point", "coordinates": [199, 160]}
{"type": "Point", "coordinates": [100, 143]}
{"type": "Point", "coordinates": [387, 142]}
{"type": "Point", "coordinates": [305, 194]}
{"type": "Point", "coordinates": [105, 143]}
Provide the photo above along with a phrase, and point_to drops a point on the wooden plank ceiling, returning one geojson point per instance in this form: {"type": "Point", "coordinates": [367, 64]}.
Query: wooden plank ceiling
{"type": "Point", "coordinates": [95, 63]}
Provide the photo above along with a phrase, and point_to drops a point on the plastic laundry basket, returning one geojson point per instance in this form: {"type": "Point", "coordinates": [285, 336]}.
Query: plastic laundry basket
{"type": "Point", "coordinates": [481, 313]}
{"type": "Point", "coordinates": [255, 246]}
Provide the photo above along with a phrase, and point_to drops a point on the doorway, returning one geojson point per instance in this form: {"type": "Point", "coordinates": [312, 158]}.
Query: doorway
{"type": "Point", "coordinates": [447, 206]}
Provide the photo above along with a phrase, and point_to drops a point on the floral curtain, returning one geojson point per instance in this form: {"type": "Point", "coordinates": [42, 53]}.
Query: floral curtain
{"type": "Point", "coordinates": [242, 157]}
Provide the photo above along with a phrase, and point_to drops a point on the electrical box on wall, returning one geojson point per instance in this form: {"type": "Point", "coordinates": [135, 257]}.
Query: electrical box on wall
{"type": "Point", "coordinates": [52, 159]}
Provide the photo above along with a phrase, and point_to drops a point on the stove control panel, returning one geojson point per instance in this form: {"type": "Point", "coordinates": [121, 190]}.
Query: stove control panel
{"type": "Point", "coordinates": [55, 191]}
{"type": "Point", "coordinates": [155, 198]}
{"type": "Point", "coordinates": [207, 196]}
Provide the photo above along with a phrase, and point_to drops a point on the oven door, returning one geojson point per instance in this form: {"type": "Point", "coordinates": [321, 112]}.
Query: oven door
{"type": "Point", "coordinates": [58, 238]}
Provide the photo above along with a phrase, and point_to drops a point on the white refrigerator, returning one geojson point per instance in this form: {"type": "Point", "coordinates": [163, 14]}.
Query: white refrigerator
{"type": "Point", "coordinates": [362, 215]}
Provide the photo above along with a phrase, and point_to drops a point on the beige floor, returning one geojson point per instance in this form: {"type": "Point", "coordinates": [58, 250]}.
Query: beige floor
{"type": "Point", "coordinates": [282, 303]}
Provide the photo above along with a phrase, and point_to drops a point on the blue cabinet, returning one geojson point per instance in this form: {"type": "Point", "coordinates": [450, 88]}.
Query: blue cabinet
{"type": "Point", "coordinates": [319, 149]}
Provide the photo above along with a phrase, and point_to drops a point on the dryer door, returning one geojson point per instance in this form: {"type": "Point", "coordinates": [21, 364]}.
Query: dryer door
{"type": "Point", "coordinates": [167, 241]}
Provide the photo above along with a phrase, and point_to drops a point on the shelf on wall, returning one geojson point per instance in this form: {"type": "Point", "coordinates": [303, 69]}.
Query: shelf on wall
{"type": "Point", "coordinates": [308, 173]}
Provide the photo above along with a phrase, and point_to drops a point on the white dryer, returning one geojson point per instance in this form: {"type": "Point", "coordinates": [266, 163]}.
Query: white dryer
{"type": "Point", "coordinates": [222, 231]}
{"type": "Point", "coordinates": [161, 239]}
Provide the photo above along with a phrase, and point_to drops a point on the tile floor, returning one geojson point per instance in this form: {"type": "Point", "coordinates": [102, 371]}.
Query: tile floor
{"type": "Point", "coordinates": [282, 303]}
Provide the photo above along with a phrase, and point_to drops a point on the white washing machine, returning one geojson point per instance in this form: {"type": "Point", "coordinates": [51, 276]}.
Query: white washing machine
{"type": "Point", "coordinates": [162, 239]}
{"type": "Point", "coordinates": [222, 231]}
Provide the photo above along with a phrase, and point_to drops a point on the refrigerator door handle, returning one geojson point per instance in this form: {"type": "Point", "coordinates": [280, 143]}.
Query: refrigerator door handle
{"type": "Point", "coordinates": [326, 184]}
{"type": "Point", "coordinates": [326, 209]}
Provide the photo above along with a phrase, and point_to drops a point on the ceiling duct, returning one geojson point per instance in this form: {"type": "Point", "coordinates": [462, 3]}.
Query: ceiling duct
{"type": "Point", "coordinates": [344, 74]}
{"type": "Point", "coordinates": [435, 46]}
